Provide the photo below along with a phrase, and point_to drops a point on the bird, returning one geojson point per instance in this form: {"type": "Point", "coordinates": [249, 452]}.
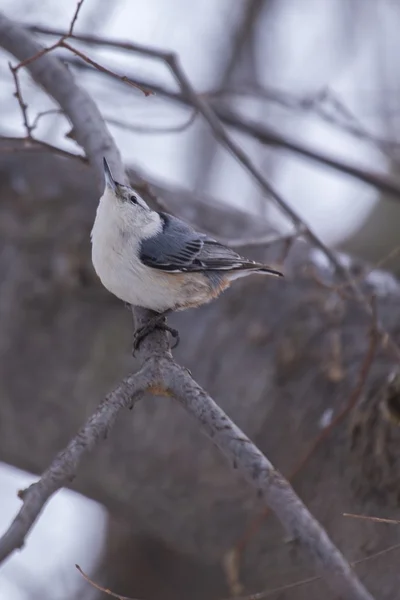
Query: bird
{"type": "Point", "coordinates": [154, 260]}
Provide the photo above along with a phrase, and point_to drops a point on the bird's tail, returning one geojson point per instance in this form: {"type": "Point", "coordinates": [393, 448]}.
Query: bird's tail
{"type": "Point", "coordinates": [269, 271]}
{"type": "Point", "coordinates": [250, 267]}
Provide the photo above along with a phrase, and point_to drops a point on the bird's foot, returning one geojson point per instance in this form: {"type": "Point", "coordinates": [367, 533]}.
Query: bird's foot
{"type": "Point", "coordinates": [157, 322]}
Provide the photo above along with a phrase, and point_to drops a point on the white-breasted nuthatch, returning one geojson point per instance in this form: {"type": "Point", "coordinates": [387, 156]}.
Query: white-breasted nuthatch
{"type": "Point", "coordinates": [156, 261]}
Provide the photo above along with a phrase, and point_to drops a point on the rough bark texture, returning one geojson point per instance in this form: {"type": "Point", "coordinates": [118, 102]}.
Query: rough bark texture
{"type": "Point", "coordinates": [275, 356]}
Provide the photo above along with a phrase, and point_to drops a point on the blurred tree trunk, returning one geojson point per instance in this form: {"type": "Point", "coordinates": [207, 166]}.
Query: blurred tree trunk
{"type": "Point", "coordinates": [277, 356]}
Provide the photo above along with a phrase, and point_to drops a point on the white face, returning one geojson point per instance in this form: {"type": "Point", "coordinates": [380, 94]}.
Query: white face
{"type": "Point", "coordinates": [126, 209]}
{"type": "Point", "coordinates": [125, 194]}
{"type": "Point", "coordinates": [123, 208]}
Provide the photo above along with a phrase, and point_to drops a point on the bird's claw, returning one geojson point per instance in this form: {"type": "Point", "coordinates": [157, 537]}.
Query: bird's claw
{"type": "Point", "coordinates": [144, 331]}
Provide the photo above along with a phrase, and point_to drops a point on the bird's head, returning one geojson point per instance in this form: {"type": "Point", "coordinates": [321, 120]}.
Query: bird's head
{"type": "Point", "coordinates": [124, 202]}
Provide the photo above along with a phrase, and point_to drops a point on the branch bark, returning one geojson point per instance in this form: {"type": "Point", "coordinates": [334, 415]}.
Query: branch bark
{"type": "Point", "coordinates": [161, 374]}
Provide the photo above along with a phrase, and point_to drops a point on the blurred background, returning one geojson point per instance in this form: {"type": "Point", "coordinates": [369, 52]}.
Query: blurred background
{"type": "Point", "coordinates": [321, 73]}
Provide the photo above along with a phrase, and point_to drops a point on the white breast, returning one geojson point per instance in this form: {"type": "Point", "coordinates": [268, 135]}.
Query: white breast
{"type": "Point", "coordinates": [115, 257]}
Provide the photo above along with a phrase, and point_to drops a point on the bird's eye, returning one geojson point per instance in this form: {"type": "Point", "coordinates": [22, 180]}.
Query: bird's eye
{"type": "Point", "coordinates": [133, 199]}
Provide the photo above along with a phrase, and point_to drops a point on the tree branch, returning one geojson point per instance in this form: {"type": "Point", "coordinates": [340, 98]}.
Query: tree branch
{"type": "Point", "coordinates": [263, 133]}
{"type": "Point", "coordinates": [65, 466]}
{"type": "Point", "coordinates": [89, 129]}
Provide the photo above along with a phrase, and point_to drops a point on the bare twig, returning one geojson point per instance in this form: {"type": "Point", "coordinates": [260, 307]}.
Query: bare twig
{"type": "Point", "coordinates": [23, 106]}
{"type": "Point", "coordinates": [260, 131]}
{"type": "Point", "coordinates": [153, 130]}
{"type": "Point", "coordinates": [63, 37]}
{"type": "Point", "coordinates": [341, 288]}
{"type": "Point", "coordinates": [99, 67]}
{"type": "Point", "coordinates": [267, 135]}
{"type": "Point", "coordinates": [280, 589]}
{"type": "Point", "coordinates": [377, 519]}
{"type": "Point", "coordinates": [44, 113]}
{"type": "Point", "coordinates": [353, 125]}
{"type": "Point", "coordinates": [101, 588]}
{"type": "Point", "coordinates": [343, 119]}
{"type": "Point", "coordinates": [62, 43]}
{"type": "Point", "coordinates": [59, 83]}
{"type": "Point", "coordinates": [74, 18]}
{"type": "Point", "coordinates": [265, 241]}
{"type": "Point", "coordinates": [296, 584]}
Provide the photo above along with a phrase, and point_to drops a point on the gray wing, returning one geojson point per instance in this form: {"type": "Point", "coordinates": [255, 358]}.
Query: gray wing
{"type": "Point", "coordinates": [178, 247]}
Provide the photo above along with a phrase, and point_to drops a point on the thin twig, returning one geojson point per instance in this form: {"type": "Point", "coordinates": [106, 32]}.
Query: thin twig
{"type": "Point", "coordinates": [62, 43]}
{"type": "Point", "coordinates": [153, 130]}
{"type": "Point", "coordinates": [100, 588]}
{"type": "Point", "coordinates": [23, 106]}
{"type": "Point", "coordinates": [271, 137]}
{"type": "Point", "coordinates": [44, 113]}
{"type": "Point", "coordinates": [99, 67]}
{"type": "Point", "coordinates": [301, 582]}
{"type": "Point", "coordinates": [377, 519]}
{"type": "Point", "coordinates": [378, 265]}
{"type": "Point", "coordinates": [354, 126]}
{"type": "Point", "coordinates": [350, 125]}
{"type": "Point", "coordinates": [265, 241]}
{"type": "Point", "coordinates": [30, 142]}
{"type": "Point", "coordinates": [34, 57]}
{"type": "Point", "coordinates": [63, 37]}
{"type": "Point", "coordinates": [74, 18]}
{"type": "Point", "coordinates": [260, 131]}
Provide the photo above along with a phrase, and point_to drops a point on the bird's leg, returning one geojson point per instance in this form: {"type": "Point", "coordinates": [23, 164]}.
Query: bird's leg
{"type": "Point", "coordinates": [156, 322]}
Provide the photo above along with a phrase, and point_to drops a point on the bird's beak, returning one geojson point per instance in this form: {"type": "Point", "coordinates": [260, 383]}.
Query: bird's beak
{"type": "Point", "coordinates": [108, 177]}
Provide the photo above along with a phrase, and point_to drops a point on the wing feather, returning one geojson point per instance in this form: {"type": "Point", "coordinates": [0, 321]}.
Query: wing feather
{"type": "Point", "coordinates": [178, 247]}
